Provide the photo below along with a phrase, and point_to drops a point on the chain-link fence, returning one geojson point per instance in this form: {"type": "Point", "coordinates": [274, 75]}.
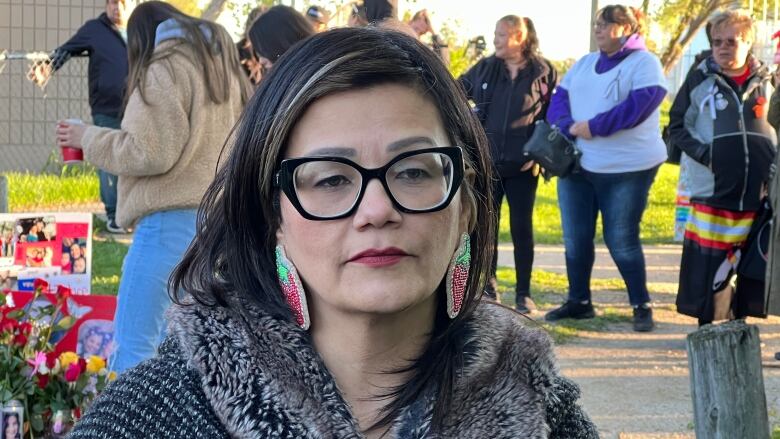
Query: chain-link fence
{"type": "Point", "coordinates": [29, 30]}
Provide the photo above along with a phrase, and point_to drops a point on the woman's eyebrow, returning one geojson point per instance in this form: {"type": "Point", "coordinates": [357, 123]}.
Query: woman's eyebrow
{"type": "Point", "coordinates": [340, 151]}
{"type": "Point", "coordinates": [409, 141]}
{"type": "Point", "coordinates": [330, 151]}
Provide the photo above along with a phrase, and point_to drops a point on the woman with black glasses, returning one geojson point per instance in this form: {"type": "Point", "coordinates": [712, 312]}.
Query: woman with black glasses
{"type": "Point", "coordinates": [333, 288]}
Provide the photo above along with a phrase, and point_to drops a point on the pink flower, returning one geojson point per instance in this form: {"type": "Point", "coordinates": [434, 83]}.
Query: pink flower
{"type": "Point", "coordinates": [37, 362]}
{"type": "Point", "coordinates": [73, 372]}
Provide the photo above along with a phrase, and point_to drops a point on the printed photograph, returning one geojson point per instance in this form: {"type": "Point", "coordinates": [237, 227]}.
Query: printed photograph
{"type": "Point", "coordinates": [38, 229]}
{"type": "Point", "coordinates": [74, 256]}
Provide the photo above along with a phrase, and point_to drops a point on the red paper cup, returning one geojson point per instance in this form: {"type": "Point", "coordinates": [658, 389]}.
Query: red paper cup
{"type": "Point", "coordinates": [72, 155]}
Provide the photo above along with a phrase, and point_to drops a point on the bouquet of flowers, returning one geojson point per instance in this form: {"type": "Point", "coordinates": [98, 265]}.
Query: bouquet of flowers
{"type": "Point", "coordinates": [54, 388]}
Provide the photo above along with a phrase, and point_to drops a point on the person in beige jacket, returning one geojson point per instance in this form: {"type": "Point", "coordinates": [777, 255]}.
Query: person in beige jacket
{"type": "Point", "coordinates": [185, 93]}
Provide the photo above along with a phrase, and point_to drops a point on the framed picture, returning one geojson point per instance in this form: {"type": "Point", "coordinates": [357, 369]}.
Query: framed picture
{"type": "Point", "coordinates": [56, 247]}
{"type": "Point", "coordinates": [12, 420]}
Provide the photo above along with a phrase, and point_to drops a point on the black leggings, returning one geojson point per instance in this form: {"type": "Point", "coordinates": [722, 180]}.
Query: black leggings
{"type": "Point", "coordinates": [520, 192]}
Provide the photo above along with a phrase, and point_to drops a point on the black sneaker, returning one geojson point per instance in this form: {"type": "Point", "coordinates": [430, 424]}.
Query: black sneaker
{"type": "Point", "coordinates": [643, 319]}
{"type": "Point", "coordinates": [571, 310]}
{"type": "Point", "coordinates": [113, 227]}
{"type": "Point", "coordinates": [524, 304]}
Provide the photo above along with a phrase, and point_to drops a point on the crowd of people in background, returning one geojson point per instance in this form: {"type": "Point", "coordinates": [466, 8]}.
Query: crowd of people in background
{"type": "Point", "coordinates": [164, 124]}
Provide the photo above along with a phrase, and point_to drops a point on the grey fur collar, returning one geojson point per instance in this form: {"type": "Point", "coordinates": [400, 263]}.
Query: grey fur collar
{"type": "Point", "coordinates": [263, 378]}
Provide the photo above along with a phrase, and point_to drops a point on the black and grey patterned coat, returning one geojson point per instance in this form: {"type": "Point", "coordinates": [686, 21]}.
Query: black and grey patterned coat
{"type": "Point", "coordinates": [228, 373]}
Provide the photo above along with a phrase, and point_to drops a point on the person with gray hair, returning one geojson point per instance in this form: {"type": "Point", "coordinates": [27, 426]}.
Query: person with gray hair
{"type": "Point", "coordinates": [719, 120]}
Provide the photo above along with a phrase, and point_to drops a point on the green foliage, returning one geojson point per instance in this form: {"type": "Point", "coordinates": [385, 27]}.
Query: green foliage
{"type": "Point", "coordinates": [563, 66]}
{"type": "Point", "coordinates": [460, 62]}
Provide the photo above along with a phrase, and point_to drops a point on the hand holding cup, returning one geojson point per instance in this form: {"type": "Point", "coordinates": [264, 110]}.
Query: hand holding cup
{"type": "Point", "coordinates": [69, 135]}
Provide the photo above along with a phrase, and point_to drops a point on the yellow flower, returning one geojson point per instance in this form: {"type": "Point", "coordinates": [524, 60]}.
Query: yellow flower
{"type": "Point", "coordinates": [95, 363]}
{"type": "Point", "coordinates": [68, 358]}
{"type": "Point", "coordinates": [111, 376]}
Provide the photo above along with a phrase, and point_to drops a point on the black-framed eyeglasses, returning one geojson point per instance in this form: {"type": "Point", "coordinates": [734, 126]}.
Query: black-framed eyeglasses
{"type": "Point", "coordinates": [327, 188]}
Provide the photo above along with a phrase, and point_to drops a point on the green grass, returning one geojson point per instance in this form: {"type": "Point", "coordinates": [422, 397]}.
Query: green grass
{"type": "Point", "coordinates": [29, 192]}
{"type": "Point", "coordinates": [657, 223]}
{"type": "Point", "coordinates": [107, 258]}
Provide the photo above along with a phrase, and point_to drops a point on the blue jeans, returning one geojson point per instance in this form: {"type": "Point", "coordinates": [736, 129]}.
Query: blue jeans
{"type": "Point", "coordinates": [108, 181]}
{"type": "Point", "coordinates": [621, 198]}
{"type": "Point", "coordinates": [159, 242]}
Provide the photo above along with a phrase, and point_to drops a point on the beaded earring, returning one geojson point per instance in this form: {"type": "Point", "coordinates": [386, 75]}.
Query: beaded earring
{"type": "Point", "coordinates": [292, 288]}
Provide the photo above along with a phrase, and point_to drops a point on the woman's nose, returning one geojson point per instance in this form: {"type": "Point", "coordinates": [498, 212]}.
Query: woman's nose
{"type": "Point", "coordinates": [376, 208]}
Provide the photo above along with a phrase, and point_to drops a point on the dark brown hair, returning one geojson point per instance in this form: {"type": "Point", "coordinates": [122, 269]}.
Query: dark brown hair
{"type": "Point", "coordinates": [623, 16]}
{"type": "Point", "coordinates": [278, 29]}
{"type": "Point", "coordinates": [213, 50]}
{"type": "Point", "coordinates": [233, 250]}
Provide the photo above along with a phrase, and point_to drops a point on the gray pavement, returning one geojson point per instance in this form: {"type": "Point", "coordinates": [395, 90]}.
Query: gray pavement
{"type": "Point", "coordinates": [663, 261]}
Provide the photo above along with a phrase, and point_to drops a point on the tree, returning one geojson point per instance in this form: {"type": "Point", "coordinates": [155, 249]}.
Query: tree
{"type": "Point", "coordinates": [685, 18]}
{"type": "Point", "coordinates": [213, 9]}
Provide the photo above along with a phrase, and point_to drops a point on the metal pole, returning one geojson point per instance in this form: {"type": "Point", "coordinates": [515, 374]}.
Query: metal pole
{"type": "Point", "coordinates": [594, 7]}
{"type": "Point", "coordinates": [3, 194]}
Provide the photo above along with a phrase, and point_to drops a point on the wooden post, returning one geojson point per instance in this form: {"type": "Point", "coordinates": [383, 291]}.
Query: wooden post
{"type": "Point", "coordinates": [727, 384]}
{"type": "Point", "coordinates": [3, 194]}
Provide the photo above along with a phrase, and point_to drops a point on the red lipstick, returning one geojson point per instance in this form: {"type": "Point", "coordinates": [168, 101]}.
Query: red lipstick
{"type": "Point", "coordinates": [384, 257]}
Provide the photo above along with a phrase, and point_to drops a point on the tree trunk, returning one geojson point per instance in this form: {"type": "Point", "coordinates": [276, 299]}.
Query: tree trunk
{"type": "Point", "coordinates": [727, 383]}
{"type": "Point", "coordinates": [645, 7]}
{"type": "Point", "coordinates": [213, 9]}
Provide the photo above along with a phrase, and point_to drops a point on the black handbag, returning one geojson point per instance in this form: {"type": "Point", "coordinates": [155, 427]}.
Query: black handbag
{"type": "Point", "coordinates": [554, 152]}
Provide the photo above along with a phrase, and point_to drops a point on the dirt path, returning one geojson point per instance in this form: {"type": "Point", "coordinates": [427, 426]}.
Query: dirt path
{"type": "Point", "coordinates": [636, 385]}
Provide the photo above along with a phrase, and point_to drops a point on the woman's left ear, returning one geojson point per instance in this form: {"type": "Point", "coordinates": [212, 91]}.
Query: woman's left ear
{"type": "Point", "coordinates": [468, 213]}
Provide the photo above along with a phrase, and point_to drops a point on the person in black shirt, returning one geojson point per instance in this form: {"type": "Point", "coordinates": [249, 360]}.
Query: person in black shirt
{"type": "Point", "coordinates": [511, 91]}
{"type": "Point", "coordinates": [103, 40]}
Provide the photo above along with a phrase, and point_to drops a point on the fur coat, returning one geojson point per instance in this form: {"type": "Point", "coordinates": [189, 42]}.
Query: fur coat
{"type": "Point", "coordinates": [237, 372]}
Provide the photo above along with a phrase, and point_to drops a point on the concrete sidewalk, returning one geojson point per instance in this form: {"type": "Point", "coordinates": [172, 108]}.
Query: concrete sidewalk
{"type": "Point", "coordinates": [663, 261]}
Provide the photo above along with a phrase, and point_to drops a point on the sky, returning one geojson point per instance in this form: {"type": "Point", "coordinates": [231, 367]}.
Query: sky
{"type": "Point", "coordinates": [563, 26]}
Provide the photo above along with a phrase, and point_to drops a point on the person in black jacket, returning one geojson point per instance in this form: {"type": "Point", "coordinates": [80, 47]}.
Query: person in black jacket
{"type": "Point", "coordinates": [103, 40]}
{"type": "Point", "coordinates": [511, 91]}
{"type": "Point", "coordinates": [719, 121]}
